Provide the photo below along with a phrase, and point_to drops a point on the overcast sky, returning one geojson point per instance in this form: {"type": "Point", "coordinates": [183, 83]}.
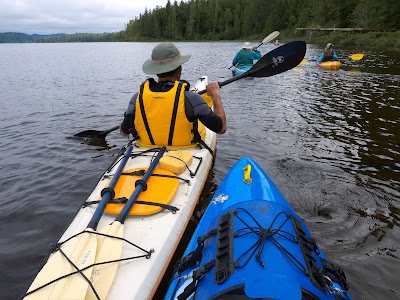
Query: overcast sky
{"type": "Point", "coordinates": [70, 16]}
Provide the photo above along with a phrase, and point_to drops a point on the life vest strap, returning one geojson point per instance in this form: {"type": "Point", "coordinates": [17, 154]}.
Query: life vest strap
{"type": "Point", "coordinates": [143, 111]}
{"type": "Point", "coordinates": [174, 112]}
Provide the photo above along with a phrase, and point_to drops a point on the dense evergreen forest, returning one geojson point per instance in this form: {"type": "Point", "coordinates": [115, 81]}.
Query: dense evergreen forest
{"type": "Point", "coordinates": [236, 19]}
{"type": "Point", "coordinates": [193, 20]}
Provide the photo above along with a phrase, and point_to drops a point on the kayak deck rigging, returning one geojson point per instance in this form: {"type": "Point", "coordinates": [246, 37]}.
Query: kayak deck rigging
{"type": "Point", "coordinates": [57, 247]}
{"type": "Point", "coordinates": [283, 231]}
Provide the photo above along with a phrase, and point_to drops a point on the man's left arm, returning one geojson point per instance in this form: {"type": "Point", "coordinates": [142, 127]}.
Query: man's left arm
{"type": "Point", "coordinates": [127, 126]}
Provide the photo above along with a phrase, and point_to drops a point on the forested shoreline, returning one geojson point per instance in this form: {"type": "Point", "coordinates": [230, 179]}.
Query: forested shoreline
{"type": "Point", "coordinates": [237, 19]}
{"type": "Point", "coordinates": [212, 20]}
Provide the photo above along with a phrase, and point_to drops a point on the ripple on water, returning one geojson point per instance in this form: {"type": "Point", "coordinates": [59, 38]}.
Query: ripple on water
{"type": "Point", "coordinates": [329, 141]}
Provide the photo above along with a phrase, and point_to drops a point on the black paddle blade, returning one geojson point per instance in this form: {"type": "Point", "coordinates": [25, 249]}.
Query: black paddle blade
{"type": "Point", "coordinates": [279, 60]}
{"type": "Point", "coordinates": [95, 134]}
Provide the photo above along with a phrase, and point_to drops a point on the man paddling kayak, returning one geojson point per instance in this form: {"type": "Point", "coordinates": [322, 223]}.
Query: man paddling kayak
{"type": "Point", "coordinates": [165, 112]}
{"type": "Point", "coordinates": [246, 55]}
{"type": "Point", "coordinates": [328, 54]}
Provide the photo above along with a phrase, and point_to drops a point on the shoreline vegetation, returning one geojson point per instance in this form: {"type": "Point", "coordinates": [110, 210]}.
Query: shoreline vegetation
{"type": "Point", "coordinates": [237, 20]}
{"type": "Point", "coordinates": [367, 40]}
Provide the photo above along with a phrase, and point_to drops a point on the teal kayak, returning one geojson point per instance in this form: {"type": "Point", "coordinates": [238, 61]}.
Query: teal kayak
{"type": "Point", "coordinates": [250, 244]}
{"type": "Point", "coordinates": [240, 69]}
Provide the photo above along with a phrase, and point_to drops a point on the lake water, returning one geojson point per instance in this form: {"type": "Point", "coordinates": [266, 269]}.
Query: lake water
{"type": "Point", "coordinates": [330, 140]}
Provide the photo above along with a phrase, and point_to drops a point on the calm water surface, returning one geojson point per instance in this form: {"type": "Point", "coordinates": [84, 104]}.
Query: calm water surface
{"type": "Point", "coordinates": [328, 139]}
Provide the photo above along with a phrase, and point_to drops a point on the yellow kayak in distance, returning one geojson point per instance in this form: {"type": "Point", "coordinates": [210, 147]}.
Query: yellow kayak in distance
{"type": "Point", "coordinates": [329, 65]}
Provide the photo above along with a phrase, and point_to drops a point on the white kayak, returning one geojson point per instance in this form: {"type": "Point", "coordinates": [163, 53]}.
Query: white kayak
{"type": "Point", "coordinates": [151, 232]}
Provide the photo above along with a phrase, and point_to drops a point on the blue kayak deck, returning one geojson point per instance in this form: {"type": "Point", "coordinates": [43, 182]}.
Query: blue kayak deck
{"type": "Point", "coordinates": [252, 243]}
{"type": "Point", "coordinates": [240, 69]}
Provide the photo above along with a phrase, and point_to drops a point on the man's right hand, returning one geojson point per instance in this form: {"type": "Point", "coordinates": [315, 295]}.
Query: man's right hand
{"type": "Point", "coordinates": [213, 89]}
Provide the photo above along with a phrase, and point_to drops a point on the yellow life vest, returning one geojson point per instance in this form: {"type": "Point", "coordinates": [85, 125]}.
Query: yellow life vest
{"type": "Point", "coordinates": [160, 117]}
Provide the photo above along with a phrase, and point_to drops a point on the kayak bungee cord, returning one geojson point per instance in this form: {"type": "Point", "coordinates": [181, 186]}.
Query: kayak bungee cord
{"type": "Point", "coordinates": [223, 262]}
{"type": "Point", "coordinates": [57, 247]}
{"type": "Point", "coordinates": [59, 261]}
{"type": "Point", "coordinates": [91, 258]}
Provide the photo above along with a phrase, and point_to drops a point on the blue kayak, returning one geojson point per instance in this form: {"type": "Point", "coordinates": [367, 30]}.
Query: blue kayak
{"type": "Point", "coordinates": [240, 69]}
{"type": "Point", "coordinates": [250, 244]}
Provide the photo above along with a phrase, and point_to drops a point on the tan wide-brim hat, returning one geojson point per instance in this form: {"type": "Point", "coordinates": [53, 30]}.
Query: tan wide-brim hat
{"type": "Point", "coordinates": [247, 45]}
{"type": "Point", "coordinates": [164, 58]}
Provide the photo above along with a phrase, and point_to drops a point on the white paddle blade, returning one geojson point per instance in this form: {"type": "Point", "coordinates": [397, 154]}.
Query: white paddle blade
{"type": "Point", "coordinates": [108, 249]}
{"type": "Point", "coordinates": [270, 37]}
{"type": "Point", "coordinates": [81, 250]}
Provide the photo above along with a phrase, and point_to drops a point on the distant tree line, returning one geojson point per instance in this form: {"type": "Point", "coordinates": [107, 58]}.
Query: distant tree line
{"type": "Point", "coordinates": [17, 37]}
{"type": "Point", "coordinates": [235, 19]}
{"type": "Point", "coordinates": [82, 37]}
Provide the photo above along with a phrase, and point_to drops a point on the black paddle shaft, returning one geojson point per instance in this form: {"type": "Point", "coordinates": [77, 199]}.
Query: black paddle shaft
{"type": "Point", "coordinates": [277, 61]}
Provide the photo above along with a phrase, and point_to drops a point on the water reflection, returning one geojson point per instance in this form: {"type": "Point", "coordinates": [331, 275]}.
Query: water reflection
{"type": "Point", "coordinates": [329, 140]}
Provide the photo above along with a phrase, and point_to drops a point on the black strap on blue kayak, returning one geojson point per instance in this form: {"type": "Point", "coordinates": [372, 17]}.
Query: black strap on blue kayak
{"type": "Point", "coordinates": [224, 263]}
{"type": "Point", "coordinates": [197, 275]}
{"type": "Point", "coordinates": [308, 246]}
{"type": "Point", "coordinates": [193, 257]}
{"type": "Point", "coordinates": [335, 273]}
{"type": "Point", "coordinates": [190, 260]}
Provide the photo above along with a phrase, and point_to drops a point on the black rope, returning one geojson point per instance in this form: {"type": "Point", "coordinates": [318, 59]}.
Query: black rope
{"type": "Point", "coordinates": [57, 247]}
{"type": "Point", "coordinates": [187, 167]}
{"type": "Point", "coordinates": [265, 233]}
{"type": "Point", "coordinates": [119, 157]}
{"type": "Point", "coordinates": [122, 200]}
{"type": "Point", "coordinates": [142, 172]}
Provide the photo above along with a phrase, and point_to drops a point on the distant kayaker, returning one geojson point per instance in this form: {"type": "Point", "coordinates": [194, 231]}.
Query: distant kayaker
{"type": "Point", "coordinates": [165, 112]}
{"type": "Point", "coordinates": [328, 54]}
{"type": "Point", "coordinates": [246, 55]}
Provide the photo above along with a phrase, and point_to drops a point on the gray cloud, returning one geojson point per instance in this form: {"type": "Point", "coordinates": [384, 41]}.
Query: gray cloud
{"type": "Point", "coordinates": [70, 16]}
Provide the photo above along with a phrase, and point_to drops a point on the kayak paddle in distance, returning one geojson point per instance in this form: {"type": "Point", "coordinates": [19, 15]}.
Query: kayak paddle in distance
{"type": "Point", "coordinates": [109, 249]}
{"type": "Point", "coordinates": [95, 134]}
{"type": "Point", "coordinates": [75, 255]}
{"type": "Point", "coordinates": [267, 39]}
{"type": "Point", "coordinates": [274, 62]}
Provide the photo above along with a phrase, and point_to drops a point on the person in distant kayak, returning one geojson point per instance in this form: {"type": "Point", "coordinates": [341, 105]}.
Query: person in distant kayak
{"type": "Point", "coordinates": [165, 112]}
{"type": "Point", "coordinates": [328, 55]}
{"type": "Point", "coordinates": [246, 55]}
